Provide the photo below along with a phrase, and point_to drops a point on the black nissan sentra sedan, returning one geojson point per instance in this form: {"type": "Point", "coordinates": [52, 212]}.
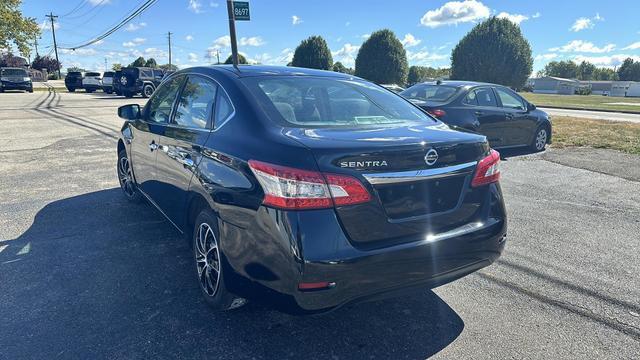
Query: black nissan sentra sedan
{"type": "Point", "coordinates": [309, 189]}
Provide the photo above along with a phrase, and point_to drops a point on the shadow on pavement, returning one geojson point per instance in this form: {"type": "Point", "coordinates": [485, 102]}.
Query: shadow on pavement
{"type": "Point", "coordinates": [97, 277]}
{"type": "Point", "coordinates": [505, 154]}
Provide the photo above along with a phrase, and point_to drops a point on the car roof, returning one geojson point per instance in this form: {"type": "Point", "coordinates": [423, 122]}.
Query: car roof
{"type": "Point", "coordinates": [458, 83]}
{"type": "Point", "coordinates": [264, 70]}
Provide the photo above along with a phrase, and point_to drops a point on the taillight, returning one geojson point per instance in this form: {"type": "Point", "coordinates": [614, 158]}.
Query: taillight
{"type": "Point", "coordinates": [487, 171]}
{"type": "Point", "coordinates": [289, 188]}
{"type": "Point", "coordinates": [437, 112]}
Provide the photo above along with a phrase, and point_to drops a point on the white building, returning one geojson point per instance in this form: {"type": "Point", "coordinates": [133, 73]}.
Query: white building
{"type": "Point", "coordinates": [555, 85]}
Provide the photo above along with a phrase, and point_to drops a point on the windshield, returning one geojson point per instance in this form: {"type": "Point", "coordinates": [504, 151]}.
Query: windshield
{"type": "Point", "coordinates": [426, 92]}
{"type": "Point", "coordinates": [92, 74]}
{"type": "Point", "coordinates": [315, 102]}
{"type": "Point", "coordinates": [14, 72]}
{"type": "Point", "coordinates": [74, 73]}
{"type": "Point", "coordinates": [108, 74]}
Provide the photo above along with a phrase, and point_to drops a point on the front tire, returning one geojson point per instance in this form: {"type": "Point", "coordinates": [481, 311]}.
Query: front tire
{"type": "Point", "coordinates": [540, 139]}
{"type": "Point", "coordinates": [209, 261]}
{"type": "Point", "coordinates": [147, 91]}
{"type": "Point", "coordinates": [125, 178]}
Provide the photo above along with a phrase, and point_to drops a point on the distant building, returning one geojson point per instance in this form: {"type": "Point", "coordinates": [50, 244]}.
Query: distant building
{"type": "Point", "coordinates": [620, 88]}
{"type": "Point", "coordinates": [599, 87]}
{"type": "Point", "coordinates": [634, 90]}
{"type": "Point", "coordinates": [555, 85]}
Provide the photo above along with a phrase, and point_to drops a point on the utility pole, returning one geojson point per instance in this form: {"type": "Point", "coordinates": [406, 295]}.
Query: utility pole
{"type": "Point", "coordinates": [218, 56]}
{"type": "Point", "coordinates": [169, 35]}
{"type": "Point", "coordinates": [232, 32]}
{"type": "Point", "coordinates": [105, 64]}
{"type": "Point", "coordinates": [35, 42]}
{"type": "Point", "coordinates": [55, 45]}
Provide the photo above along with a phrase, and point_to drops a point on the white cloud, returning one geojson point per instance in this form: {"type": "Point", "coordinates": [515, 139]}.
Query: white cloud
{"type": "Point", "coordinates": [455, 12]}
{"type": "Point", "coordinates": [189, 37]}
{"type": "Point", "coordinates": [193, 57]}
{"type": "Point", "coordinates": [634, 46]}
{"type": "Point", "coordinates": [584, 23]}
{"type": "Point", "coordinates": [222, 41]}
{"type": "Point", "coordinates": [583, 46]}
{"type": "Point", "coordinates": [409, 41]}
{"type": "Point", "coordinates": [424, 57]}
{"type": "Point", "coordinates": [346, 54]}
{"type": "Point", "coordinates": [536, 15]}
{"type": "Point", "coordinates": [295, 20]}
{"type": "Point", "coordinates": [214, 4]}
{"type": "Point", "coordinates": [606, 61]}
{"type": "Point", "coordinates": [155, 53]}
{"type": "Point", "coordinates": [514, 18]}
{"type": "Point", "coordinates": [250, 41]}
{"type": "Point", "coordinates": [347, 23]}
{"type": "Point", "coordinates": [365, 36]}
{"type": "Point", "coordinates": [133, 26]}
{"type": "Point", "coordinates": [546, 57]}
{"type": "Point", "coordinates": [46, 25]}
{"type": "Point", "coordinates": [135, 42]}
{"type": "Point", "coordinates": [195, 6]}
{"type": "Point", "coordinates": [128, 44]}
{"type": "Point", "coordinates": [79, 52]}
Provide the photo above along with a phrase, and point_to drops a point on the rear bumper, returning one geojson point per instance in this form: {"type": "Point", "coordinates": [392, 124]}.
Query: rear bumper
{"type": "Point", "coordinates": [310, 246]}
{"type": "Point", "coordinates": [92, 87]}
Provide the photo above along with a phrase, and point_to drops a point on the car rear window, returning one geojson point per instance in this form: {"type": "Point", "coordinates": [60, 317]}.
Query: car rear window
{"type": "Point", "coordinates": [74, 73]}
{"type": "Point", "coordinates": [440, 93]}
{"type": "Point", "coordinates": [319, 102]}
{"type": "Point", "coordinates": [14, 72]}
{"type": "Point", "coordinates": [108, 74]}
{"type": "Point", "coordinates": [92, 74]}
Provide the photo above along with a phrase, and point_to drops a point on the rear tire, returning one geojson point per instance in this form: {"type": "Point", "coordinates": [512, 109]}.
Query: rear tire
{"type": "Point", "coordinates": [540, 139]}
{"type": "Point", "coordinates": [125, 178]}
{"type": "Point", "coordinates": [210, 264]}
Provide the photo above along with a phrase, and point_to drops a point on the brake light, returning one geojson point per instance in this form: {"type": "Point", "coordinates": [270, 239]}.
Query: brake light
{"type": "Point", "coordinates": [289, 188]}
{"type": "Point", "coordinates": [437, 113]}
{"type": "Point", "coordinates": [487, 171]}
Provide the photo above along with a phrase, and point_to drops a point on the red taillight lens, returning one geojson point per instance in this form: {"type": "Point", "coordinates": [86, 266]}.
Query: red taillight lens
{"type": "Point", "coordinates": [487, 171]}
{"type": "Point", "coordinates": [289, 188]}
{"type": "Point", "coordinates": [437, 113]}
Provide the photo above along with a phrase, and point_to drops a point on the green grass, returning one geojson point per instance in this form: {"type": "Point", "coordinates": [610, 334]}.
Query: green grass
{"type": "Point", "coordinates": [588, 102]}
{"type": "Point", "coordinates": [571, 131]}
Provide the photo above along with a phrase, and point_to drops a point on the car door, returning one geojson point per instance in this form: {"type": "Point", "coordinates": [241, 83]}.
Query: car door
{"type": "Point", "coordinates": [146, 135]}
{"type": "Point", "coordinates": [482, 103]}
{"type": "Point", "coordinates": [520, 123]}
{"type": "Point", "coordinates": [182, 142]}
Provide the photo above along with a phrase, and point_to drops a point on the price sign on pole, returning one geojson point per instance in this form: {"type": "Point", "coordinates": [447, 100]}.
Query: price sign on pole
{"type": "Point", "coordinates": [241, 10]}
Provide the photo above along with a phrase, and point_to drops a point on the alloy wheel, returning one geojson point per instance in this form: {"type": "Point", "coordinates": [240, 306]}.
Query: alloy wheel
{"type": "Point", "coordinates": [207, 259]}
{"type": "Point", "coordinates": [541, 139]}
{"type": "Point", "coordinates": [126, 177]}
{"type": "Point", "coordinates": [148, 91]}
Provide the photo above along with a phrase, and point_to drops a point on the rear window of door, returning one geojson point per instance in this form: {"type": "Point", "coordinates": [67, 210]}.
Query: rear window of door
{"type": "Point", "coordinates": [481, 97]}
{"type": "Point", "coordinates": [161, 103]}
{"type": "Point", "coordinates": [196, 103]}
{"type": "Point", "coordinates": [510, 100]}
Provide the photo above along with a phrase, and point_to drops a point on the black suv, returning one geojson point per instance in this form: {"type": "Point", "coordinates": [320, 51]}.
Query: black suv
{"type": "Point", "coordinates": [117, 88]}
{"type": "Point", "coordinates": [310, 189]}
{"type": "Point", "coordinates": [15, 79]}
{"type": "Point", "coordinates": [139, 80]}
{"type": "Point", "coordinates": [73, 80]}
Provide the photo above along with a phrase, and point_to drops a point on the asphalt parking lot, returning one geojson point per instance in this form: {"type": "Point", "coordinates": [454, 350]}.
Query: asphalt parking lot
{"type": "Point", "coordinates": [86, 275]}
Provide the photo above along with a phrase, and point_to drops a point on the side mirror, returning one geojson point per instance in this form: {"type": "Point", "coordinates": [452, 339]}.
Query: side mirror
{"type": "Point", "coordinates": [530, 107]}
{"type": "Point", "coordinates": [130, 112]}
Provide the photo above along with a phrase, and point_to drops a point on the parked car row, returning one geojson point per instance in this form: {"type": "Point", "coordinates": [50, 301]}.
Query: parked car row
{"type": "Point", "coordinates": [15, 78]}
{"type": "Point", "coordinates": [128, 82]}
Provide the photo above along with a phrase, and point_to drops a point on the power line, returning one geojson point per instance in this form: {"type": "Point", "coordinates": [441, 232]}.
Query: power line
{"type": "Point", "coordinates": [76, 8]}
{"type": "Point", "coordinates": [122, 23]}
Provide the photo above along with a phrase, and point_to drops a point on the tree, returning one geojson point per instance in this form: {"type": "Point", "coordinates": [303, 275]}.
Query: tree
{"type": "Point", "coordinates": [423, 73]}
{"type": "Point", "coordinates": [166, 67]}
{"type": "Point", "coordinates": [564, 69]}
{"type": "Point", "coordinates": [16, 29]}
{"type": "Point", "coordinates": [12, 61]}
{"type": "Point", "coordinates": [151, 62]}
{"type": "Point", "coordinates": [241, 60]}
{"type": "Point", "coordinates": [313, 53]}
{"type": "Point", "coordinates": [605, 74]}
{"type": "Point", "coordinates": [45, 62]}
{"type": "Point", "coordinates": [493, 51]}
{"type": "Point", "coordinates": [116, 67]}
{"type": "Point", "coordinates": [629, 70]}
{"type": "Point", "coordinates": [338, 67]}
{"type": "Point", "coordinates": [585, 70]}
{"type": "Point", "coordinates": [139, 62]}
{"type": "Point", "coordinates": [382, 59]}
{"type": "Point", "coordinates": [75, 69]}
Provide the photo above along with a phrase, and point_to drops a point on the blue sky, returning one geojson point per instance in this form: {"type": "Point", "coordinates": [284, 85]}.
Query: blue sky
{"type": "Point", "coordinates": [601, 32]}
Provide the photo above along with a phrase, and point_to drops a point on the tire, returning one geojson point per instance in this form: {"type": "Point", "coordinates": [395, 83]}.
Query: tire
{"type": "Point", "coordinates": [207, 258]}
{"type": "Point", "coordinates": [125, 178]}
{"type": "Point", "coordinates": [30, 90]}
{"type": "Point", "coordinates": [540, 139]}
{"type": "Point", "coordinates": [71, 89]}
{"type": "Point", "coordinates": [147, 90]}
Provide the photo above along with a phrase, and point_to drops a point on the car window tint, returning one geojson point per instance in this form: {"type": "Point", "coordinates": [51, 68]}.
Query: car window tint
{"type": "Point", "coordinates": [161, 102]}
{"type": "Point", "coordinates": [158, 73]}
{"type": "Point", "coordinates": [427, 92]}
{"type": "Point", "coordinates": [195, 105]}
{"type": "Point", "coordinates": [509, 100]}
{"type": "Point", "coordinates": [485, 97]}
{"type": "Point", "coordinates": [471, 98]}
{"type": "Point", "coordinates": [223, 108]}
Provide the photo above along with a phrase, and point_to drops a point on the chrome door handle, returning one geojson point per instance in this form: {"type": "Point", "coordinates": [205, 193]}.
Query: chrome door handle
{"type": "Point", "coordinates": [153, 146]}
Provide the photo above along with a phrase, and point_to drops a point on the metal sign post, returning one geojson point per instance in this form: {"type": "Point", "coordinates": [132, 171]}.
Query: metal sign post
{"type": "Point", "coordinates": [237, 10]}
